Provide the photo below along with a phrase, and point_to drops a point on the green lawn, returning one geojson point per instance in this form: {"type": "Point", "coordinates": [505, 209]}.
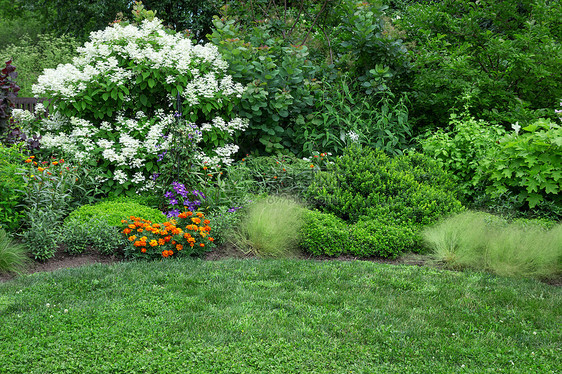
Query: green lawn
{"type": "Point", "coordinates": [277, 316]}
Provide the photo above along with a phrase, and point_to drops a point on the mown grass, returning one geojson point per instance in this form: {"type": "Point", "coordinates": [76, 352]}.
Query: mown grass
{"type": "Point", "coordinates": [277, 316]}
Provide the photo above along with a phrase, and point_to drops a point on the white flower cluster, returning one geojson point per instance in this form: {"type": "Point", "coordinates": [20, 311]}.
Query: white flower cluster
{"type": "Point", "coordinates": [21, 115]}
{"type": "Point", "coordinates": [235, 124]}
{"type": "Point", "coordinates": [148, 45]}
{"type": "Point", "coordinates": [222, 157]}
{"type": "Point", "coordinates": [130, 141]}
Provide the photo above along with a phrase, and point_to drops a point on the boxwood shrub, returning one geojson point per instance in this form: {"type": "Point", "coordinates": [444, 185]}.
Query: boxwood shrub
{"type": "Point", "coordinates": [376, 204]}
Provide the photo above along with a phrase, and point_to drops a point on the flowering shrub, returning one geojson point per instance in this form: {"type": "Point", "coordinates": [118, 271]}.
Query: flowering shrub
{"type": "Point", "coordinates": [8, 91]}
{"type": "Point", "coordinates": [189, 234]}
{"type": "Point", "coordinates": [115, 104]}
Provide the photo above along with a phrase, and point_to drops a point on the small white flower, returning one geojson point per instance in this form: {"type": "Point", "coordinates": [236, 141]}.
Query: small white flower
{"type": "Point", "coordinates": [516, 127]}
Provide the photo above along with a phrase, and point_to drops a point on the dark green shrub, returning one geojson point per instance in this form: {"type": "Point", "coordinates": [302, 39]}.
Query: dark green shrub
{"type": "Point", "coordinates": [501, 58]}
{"type": "Point", "coordinates": [367, 183]}
{"type": "Point", "coordinates": [112, 212]}
{"type": "Point", "coordinates": [326, 234]}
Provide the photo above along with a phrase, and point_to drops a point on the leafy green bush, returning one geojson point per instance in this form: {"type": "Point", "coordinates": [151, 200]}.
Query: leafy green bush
{"type": "Point", "coordinates": [462, 150]}
{"type": "Point", "coordinates": [365, 182]}
{"type": "Point", "coordinates": [112, 212]}
{"type": "Point", "coordinates": [98, 234]}
{"type": "Point", "coordinates": [326, 234]}
{"type": "Point", "coordinates": [485, 242]}
{"type": "Point", "coordinates": [528, 164]}
{"type": "Point", "coordinates": [345, 115]}
{"type": "Point", "coordinates": [13, 256]}
{"type": "Point", "coordinates": [12, 186]}
{"type": "Point", "coordinates": [488, 54]}
{"type": "Point", "coordinates": [269, 228]}
{"type": "Point", "coordinates": [280, 80]}
{"type": "Point", "coordinates": [42, 234]}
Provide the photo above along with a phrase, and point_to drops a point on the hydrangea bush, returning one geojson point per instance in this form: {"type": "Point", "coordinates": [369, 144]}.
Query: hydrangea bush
{"type": "Point", "coordinates": [115, 105]}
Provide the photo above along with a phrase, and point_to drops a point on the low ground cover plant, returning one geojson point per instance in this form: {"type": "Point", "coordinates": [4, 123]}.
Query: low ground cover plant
{"type": "Point", "coordinates": [483, 241]}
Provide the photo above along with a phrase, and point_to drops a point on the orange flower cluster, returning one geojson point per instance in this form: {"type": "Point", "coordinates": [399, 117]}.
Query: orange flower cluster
{"type": "Point", "coordinates": [170, 237]}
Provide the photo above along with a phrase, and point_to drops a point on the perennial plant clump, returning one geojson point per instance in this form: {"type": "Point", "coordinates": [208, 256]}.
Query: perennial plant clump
{"type": "Point", "coordinates": [115, 104]}
{"type": "Point", "coordinates": [189, 234]}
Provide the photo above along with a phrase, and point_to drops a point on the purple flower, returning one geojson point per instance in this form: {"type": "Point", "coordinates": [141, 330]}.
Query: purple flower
{"type": "Point", "coordinates": [161, 156]}
{"type": "Point", "coordinates": [155, 176]}
{"type": "Point", "coordinates": [173, 213]}
{"type": "Point", "coordinates": [234, 209]}
{"type": "Point", "coordinates": [174, 201]}
{"type": "Point", "coordinates": [169, 195]}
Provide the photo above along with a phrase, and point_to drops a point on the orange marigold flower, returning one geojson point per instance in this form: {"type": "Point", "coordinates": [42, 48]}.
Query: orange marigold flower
{"type": "Point", "coordinates": [131, 226]}
{"type": "Point", "coordinates": [40, 168]}
{"type": "Point", "coordinates": [156, 225]}
{"type": "Point", "coordinates": [199, 214]}
{"type": "Point", "coordinates": [140, 230]}
{"type": "Point", "coordinates": [211, 239]}
{"type": "Point", "coordinates": [189, 213]}
{"type": "Point", "coordinates": [32, 157]}
{"type": "Point", "coordinates": [182, 215]}
{"type": "Point", "coordinates": [161, 241]}
{"type": "Point", "coordinates": [153, 243]}
{"type": "Point", "coordinates": [176, 231]}
{"type": "Point", "coordinates": [173, 242]}
{"type": "Point", "coordinates": [137, 243]}
{"type": "Point", "coordinates": [131, 238]}
{"type": "Point", "coordinates": [27, 161]}
{"type": "Point", "coordinates": [127, 231]}
{"type": "Point", "coordinates": [164, 253]}
{"type": "Point", "coordinates": [179, 247]}
{"type": "Point", "coordinates": [55, 163]}
{"type": "Point", "coordinates": [196, 221]}
{"type": "Point", "coordinates": [170, 253]}
{"type": "Point", "coordinates": [167, 239]}
{"type": "Point", "coordinates": [163, 232]}
{"type": "Point", "coordinates": [132, 218]}
{"type": "Point", "coordinates": [191, 245]}
{"type": "Point", "coordinates": [311, 165]}
{"type": "Point", "coordinates": [123, 221]}
{"type": "Point", "coordinates": [201, 244]}
{"type": "Point", "coordinates": [143, 243]}
{"type": "Point", "coordinates": [143, 250]}
{"type": "Point", "coordinates": [206, 222]}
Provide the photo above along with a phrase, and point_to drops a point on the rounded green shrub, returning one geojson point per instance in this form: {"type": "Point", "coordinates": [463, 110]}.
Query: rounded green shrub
{"type": "Point", "coordinates": [326, 234]}
{"type": "Point", "coordinates": [407, 189]}
{"type": "Point", "coordinates": [112, 212]}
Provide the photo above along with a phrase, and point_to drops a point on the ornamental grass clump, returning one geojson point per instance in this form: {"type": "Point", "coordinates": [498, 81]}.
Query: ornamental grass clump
{"type": "Point", "coordinates": [483, 241]}
{"type": "Point", "coordinates": [189, 234]}
{"type": "Point", "coordinates": [13, 256]}
{"type": "Point", "coordinates": [270, 228]}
